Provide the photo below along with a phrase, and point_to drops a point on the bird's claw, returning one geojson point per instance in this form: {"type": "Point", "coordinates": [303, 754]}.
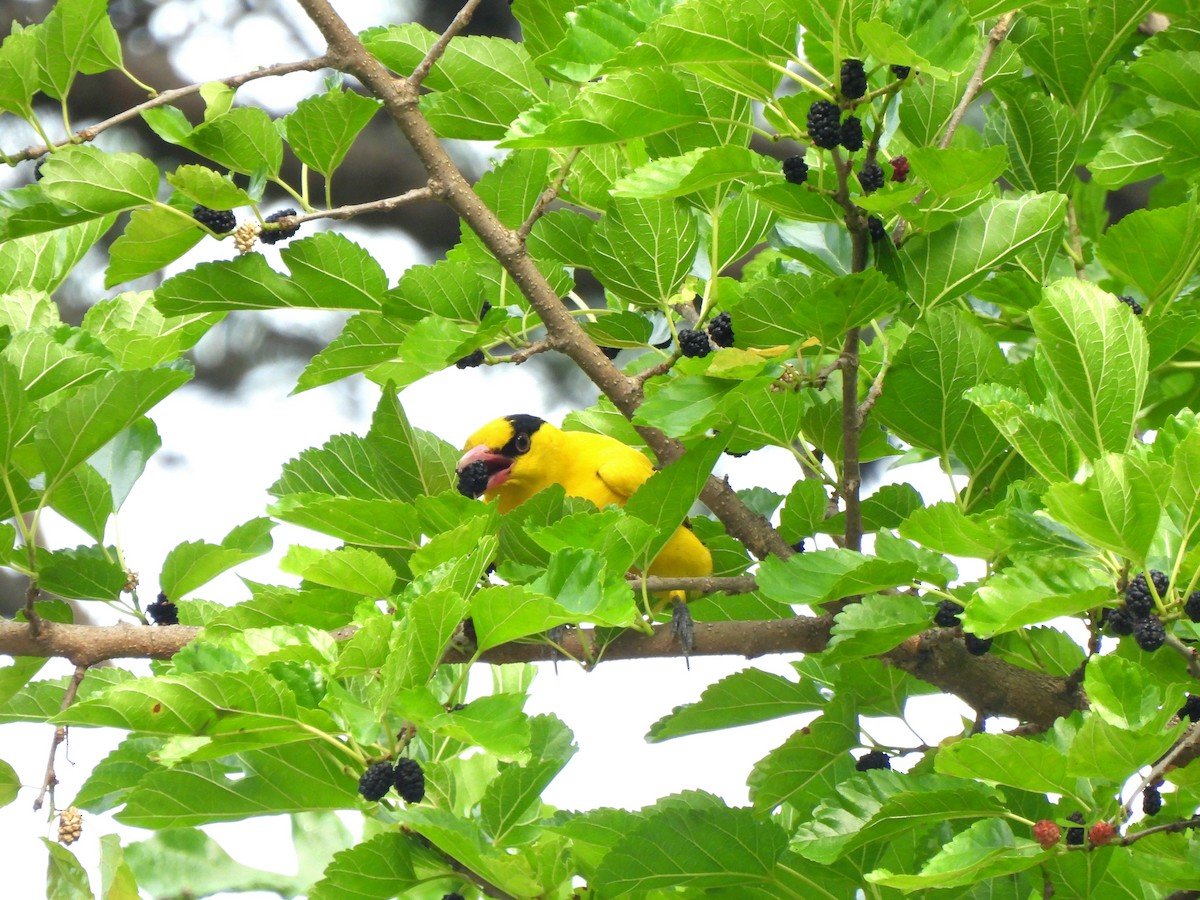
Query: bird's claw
{"type": "Point", "coordinates": [683, 627]}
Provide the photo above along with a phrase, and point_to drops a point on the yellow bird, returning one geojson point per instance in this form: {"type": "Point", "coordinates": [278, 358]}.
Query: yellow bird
{"type": "Point", "coordinates": [514, 457]}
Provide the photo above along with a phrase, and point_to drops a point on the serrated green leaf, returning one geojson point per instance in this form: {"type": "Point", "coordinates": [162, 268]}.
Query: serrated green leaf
{"type": "Point", "coordinates": [1122, 693]}
{"type": "Point", "coordinates": [1031, 428]}
{"type": "Point", "coordinates": [1106, 751]}
{"type": "Point", "coordinates": [19, 71]}
{"type": "Point", "coordinates": [376, 869]}
{"type": "Point", "coordinates": [985, 851]}
{"type": "Point", "coordinates": [809, 765]}
{"type": "Point", "coordinates": [323, 127]}
{"type": "Point", "coordinates": [875, 625]}
{"type": "Point", "coordinates": [697, 170]}
{"type": "Point", "coordinates": [244, 139]}
{"type": "Point", "coordinates": [10, 783]}
{"type": "Point", "coordinates": [82, 574]}
{"type": "Point", "coordinates": [1009, 760]}
{"type": "Point", "coordinates": [86, 178]}
{"type": "Point", "coordinates": [43, 261]}
{"type": "Point", "coordinates": [944, 527]}
{"type": "Point", "coordinates": [85, 499]}
{"type": "Point", "coordinates": [1117, 507]}
{"type": "Point", "coordinates": [826, 575]}
{"type": "Point", "coordinates": [69, 38]}
{"type": "Point", "coordinates": [153, 238]}
{"type": "Point", "coordinates": [934, 37]}
{"type": "Point", "coordinates": [1034, 590]}
{"type": "Point", "coordinates": [65, 875]}
{"type": "Point", "coordinates": [349, 568]}
{"type": "Point", "coordinates": [742, 698]}
{"type": "Point", "coordinates": [1043, 139]}
{"type": "Point", "coordinates": [195, 563]}
{"type": "Point", "coordinates": [208, 187]}
{"type": "Point", "coordinates": [642, 249]}
{"type": "Point", "coordinates": [1156, 250]}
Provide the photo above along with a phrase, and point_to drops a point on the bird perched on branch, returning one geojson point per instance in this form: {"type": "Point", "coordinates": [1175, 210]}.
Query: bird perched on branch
{"type": "Point", "coordinates": [514, 457]}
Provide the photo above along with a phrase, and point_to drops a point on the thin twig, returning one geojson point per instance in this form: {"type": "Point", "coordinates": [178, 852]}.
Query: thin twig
{"type": "Point", "coordinates": [1185, 745]}
{"type": "Point", "coordinates": [873, 395]}
{"type": "Point", "coordinates": [659, 368]}
{"type": "Point", "coordinates": [357, 209]}
{"type": "Point", "coordinates": [32, 592]}
{"type": "Point", "coordinates": [1167, 827]}
{"type": "Point", "coordinates": [234, 81]}
{"type": "Point", "coordinates": [1189, 653]}
{"type": "Point", "coordinates": [529, 350]}
{"type": "Point", "coordinates": [60, 735]}
{"type": "Point", "coordinates": [439, 47]}
{"type": "Point", "coordinates": [548, 195]}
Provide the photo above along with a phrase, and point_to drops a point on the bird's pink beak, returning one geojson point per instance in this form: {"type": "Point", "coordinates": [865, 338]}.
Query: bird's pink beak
{"type": "Point", "coordinates": [499, 467]}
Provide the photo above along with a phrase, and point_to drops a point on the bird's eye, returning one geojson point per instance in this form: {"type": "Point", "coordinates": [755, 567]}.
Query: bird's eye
{"type": "Point", "coordinates": [522, 443]}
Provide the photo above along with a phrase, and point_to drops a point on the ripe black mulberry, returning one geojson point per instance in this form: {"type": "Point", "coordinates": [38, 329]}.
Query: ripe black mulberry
{"type": "Point", "coordinates": [693, 343]}
{"type": "Point", "coordinates": [875, 228]}
{"type": "Point", "coordinates": [473, 479]}
{"type": "Point", "coordinates": [870, 176]}
{"type": "Point", "coordinates": [1190, 709]}
{"type": "Point", "coordinates": [947, 614]}
{"type": "Point", "coordinates": [1075, 835]}
{"type": "Point", "coordinates": [410, 780]}
{"type": "Point", "coordinates": [470, 361]}
{"type": "Point", "coordinates": [1138, 598]}
{"type": "Point", "coordinates": [1149, 633]}
{"type": "Point", "coordinates": [275, 235]}
{"type": "Point", "coordinates": [376, 781]}
{"type": "Point", "coordinates": [1119, 620]}
{"type": "Point", "coordinates": [162, 611]}
{"type": "Point", "coordinates": [901, 72]}
{"type": "Point", "coordinates": [852, 133]}
{"type": "Point", "coordinates": [795, 170]}
{"type": "Point", "coordinates": [876, 759]}
{"type": "Point", "coordinates": [218, 221]}
{"type": "Point", "coordinates": [1131, 303]}
{"type": "Point", "coordinates": [854, 79]}
{"type": "Point", "coordinates": [976, 645]}
{"type": "Point", "coordinates": [1151, 801]}
{"type": "Point", "coordinates": [823, 124]}
{"type": "Point", "coordinates": [1192, 607]}
{"type": "Point", "coordinates": [720, 329]}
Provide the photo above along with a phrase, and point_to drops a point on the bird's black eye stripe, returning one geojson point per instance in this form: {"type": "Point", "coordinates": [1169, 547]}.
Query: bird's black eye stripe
{"type": "Point", "coordinates": [523, 428]}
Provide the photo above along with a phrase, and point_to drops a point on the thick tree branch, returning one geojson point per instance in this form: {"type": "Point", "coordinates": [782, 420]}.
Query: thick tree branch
{"type": "Point", "coordinates": [400, 96]}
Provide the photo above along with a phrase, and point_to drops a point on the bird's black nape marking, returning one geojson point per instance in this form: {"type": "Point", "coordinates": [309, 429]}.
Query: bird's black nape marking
{"type": "Point", "coordinates": [523, 428]}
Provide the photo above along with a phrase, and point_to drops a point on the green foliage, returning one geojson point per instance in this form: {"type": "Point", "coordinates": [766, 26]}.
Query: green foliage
{"type": "Point", "coordinates": [967, 307]}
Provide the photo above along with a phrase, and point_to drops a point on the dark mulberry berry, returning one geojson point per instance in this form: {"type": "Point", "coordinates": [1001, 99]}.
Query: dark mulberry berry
{"type": "Point", "coordinates": [870, 176]}
{"type": "Point", "coordinates": [275, 235]}
{"type": "Point", "coordinates": [901, 72]}
{"type": "Point", "coordinates": [410, 780]}
{"type": "Point", "coordinates": [795, 170]}
{"type": "Point", "coordinates": [1192, 608]}
{"type": "Point", "coordinates": [852, 133]}
{"type": "Point", "coordinates": [875, 228]}
{"type": "Point", "coordinates": [693, 343]}
{"type": "Point", "coordinates": [876, 759]}
{"type": "Point", "coordinates": [899, 168]}
{"type": "Point", "coordinates": [1131, 303]}
{"type": "Point", "coordinates": [798, 547]}
{"type": "Point", "coordinates": [1046, 833]}
{"type": "Point", "coordinates": [720, 329]}
{"type": "Point", "coordinates": [376, 781]}
{"type": "Point", "coordinates": [610, 352]}
{"type": "Point", "coordinates": [457, 896]}
{"type": "Point", "coordinates": [218, 221]}
{"type": "Point", "coordinates": [1138, 597]}
{"type": "Point", "coordinates": [854, 79]}
{"type": "Point", "coordinates": [1149, 633]}
{"type": "Point", "coordinates": [1119, 621]}
{"type": "Point", "coordinates": [1075, 835]}
{"type": "Point", "coordinates": [1151, 800]}
{"type": "Point", "coordinates": [976, 645]}
{"type": "Point", "coordinates": [1191, 708]}
{"type": "Point", "coordinates": [947, 614]}
{"type": "Point", "coordinates": [473, 479]}
{"type": "Point", "coordinates": [162, 611]}
{"type": "Point", "coordinates": [822, 122]}
{"type": "Point", "coordinates": [484, 310]}
{"type": "Point", "coordinates": [37, 167]}
{"type": "Point", "coordinates": [470, 361]}
{"type": "Point", "coordinates": [1101, 834]}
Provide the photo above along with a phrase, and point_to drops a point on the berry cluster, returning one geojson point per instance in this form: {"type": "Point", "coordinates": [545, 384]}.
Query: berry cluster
{"type": "Point", "coordinates": [947, 614]}
{"type": "Point", "coordinates": [162, 611]}
{"type": "Point", "coordinates": [694, 343]}
{"type": "Point", "coordinates": [406, 776]}
{"type": "Point", "coordinates": [852, 133]}
{"type": "Point", "coordinates": [275, 235]}
{"type": "Point", "coordinates": [1137, 616]}
{"type": "Point", "coordinates": [870, 176]}
{"type": "Point", "coordinates": [218, 221]}
{"type": "Point", "coordinates": [720, 329]}
{"type": "Point", "coordinates": [853, 79]}
{"type": "Point", "coordinates": [1131, 303]}
{"type": "Point", "coordinates": [473, 479]}
{"type": "Point", "coordinates": [795, 170]}
{"type": "Point", "coordinates": [470, 361]}
{"type": "Point", "coordinates": [823, 125]}
{"type": "Point", "coordinates": [876, 759]}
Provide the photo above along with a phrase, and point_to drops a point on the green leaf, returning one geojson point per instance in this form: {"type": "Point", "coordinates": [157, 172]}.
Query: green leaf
{"type": "Point", "coordinates": [1043, 139]}
{"type": "Point", "coordinates": [932, 36]}
{"type": "Point", "coordinates": [65, 875]}
{"type": "Point", "coordinates": [809, 765]}
{"type": "Point", "coordinates": [43, 261]}
{"type": "Point", "coordinates": [19, 71]}
{"type": "Point", "coordinates": [1106, 751]}
{"type": "Point", "coordinates": [1156, 250]}
{"type": "Point", "coordinates": [86, 178]}
{"type": "Point", "coordinates": [208, 187]}
{"type": "Point", "coordinates": [323, 127]}
{"type": "Point", "coordinates": [642, 249]}
{"type": "Point", "coordinates": [68, 40]}
{"type": "Point", "coordinates": [329, 271]}
{"type": "Point", "coordinates": [875, 625]}
{"type": "Point", "coordinates": [945, 355]}
{"type": "Point", "coordinates": [1009, 760]}
{"type": "Point", "coordinates": [948, 263]}
{"type": "Point", "coordinates": [985, 851]}
{"type": "Point", "coordinates": [1093, 356]}
{"type": "Point", "coordinates": [153, 238]}
{"type": "Point", "coordinates": [96, 413]}
{"type": "Point", "coordinates": [596, 33]}
{"type": "Point", "coordinates": [1034, 590]}
{"type": "Point", "coordinates": [377, 869]}
{"type": "Point", "coordinates": [429, 622]}
{"type": "Point", "coordinates": [83, 574]}
{"type": "Point", "coordinates": [85, 499]}
{"type": "Point", "coordinates": [189, 856]}
{"type": "Point", "coordinates": [348, 568]}
{"type": "Point", "coordinates": [244, 139]}
{"type": "Point", "coordinates": [195, 563]}
{"type": "Point", "coordinates": [696, 170]}
{"type": "Point", "coordinates": [122, 460]}
{"type": "Point", "coordinates": [694, 841]}
{"type": "Point", "coordinates": [825, 575]}
{"type": "Point", "coordinates": [944, 527]}
{"type": "Point", "coordinates": [16, 673]}
{"type": "Point", "coordinates": [1117, 507]}
{"type": "Point", "coordinates": [10, 783]}
{"type": "Point", "coordinates": [742, 698]}
{"type": "Point", "coordinates": [1122, 692]}
{"type": "Point", "coordinates": [116, 877]}
{"type": "Point", "coordinates": [514, 795]}
{"type": "Point", "coordinates": [1032, 429]}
